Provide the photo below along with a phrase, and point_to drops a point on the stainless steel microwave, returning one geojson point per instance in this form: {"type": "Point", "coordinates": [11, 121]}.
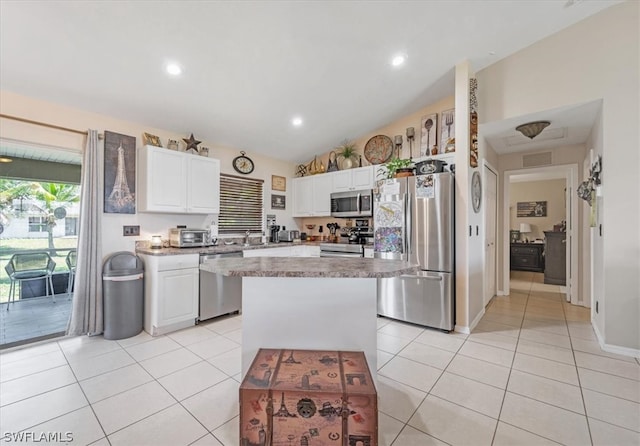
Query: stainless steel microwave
{"type": "Point", "coordinates": [357, 203]}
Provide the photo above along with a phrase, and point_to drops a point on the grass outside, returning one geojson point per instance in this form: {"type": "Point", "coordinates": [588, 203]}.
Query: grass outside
{"type": "Point", "coordinates": [9, 247]}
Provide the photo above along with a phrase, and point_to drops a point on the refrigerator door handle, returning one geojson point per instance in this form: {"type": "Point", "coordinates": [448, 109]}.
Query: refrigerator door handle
{"type": "Point", "coordinates": [358, 203]}
{"type": "Point", "coordinates": [410, 276]}
{"type": "Point", "coordinates": [408, 215]}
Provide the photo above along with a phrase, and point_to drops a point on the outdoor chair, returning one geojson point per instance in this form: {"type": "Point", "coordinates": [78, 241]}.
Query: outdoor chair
{"type": "Point", "coordinates": [71, 259]}
{"type": "Point", "coordinates": [24, 267]}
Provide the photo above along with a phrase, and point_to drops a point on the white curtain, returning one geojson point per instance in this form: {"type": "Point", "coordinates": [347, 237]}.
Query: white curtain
{"type": "Point", "coordinates": [86, 314]}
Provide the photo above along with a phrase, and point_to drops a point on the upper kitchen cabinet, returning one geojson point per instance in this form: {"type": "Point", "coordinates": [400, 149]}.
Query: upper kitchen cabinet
{"type": "Point", "coordinates": [352, 179]}
{"type": "Point", "coordinates": [177, 182]}
{"type": "Point", "coordinates": [312, 196]}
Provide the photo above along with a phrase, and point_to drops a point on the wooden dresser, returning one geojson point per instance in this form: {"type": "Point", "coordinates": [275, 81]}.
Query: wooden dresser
{"type": "Point", "coordinates": [527, 257]}
{"type": "Point", "coordinates": [555, 270]}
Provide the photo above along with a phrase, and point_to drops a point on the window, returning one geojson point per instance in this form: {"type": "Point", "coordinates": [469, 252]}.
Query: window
{"type": "Point", "coordinates": [241, 204]}
{"type": "Point", "coordinates": [37, 224]}
{"type": "Point", "coordinates": [71, 226]}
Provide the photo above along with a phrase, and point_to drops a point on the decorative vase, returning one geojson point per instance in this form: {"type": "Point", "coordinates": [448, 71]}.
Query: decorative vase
{"type": "Point", "coordinates": [404, 172]}
{"type": "Point", "coordinates": [347, 163]}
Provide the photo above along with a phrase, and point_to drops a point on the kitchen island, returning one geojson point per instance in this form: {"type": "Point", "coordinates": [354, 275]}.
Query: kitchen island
{"type": "Point", "coordinates": [309, 303]}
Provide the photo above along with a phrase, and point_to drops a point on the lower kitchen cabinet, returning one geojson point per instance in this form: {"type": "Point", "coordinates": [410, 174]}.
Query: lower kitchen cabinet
{"type": "Point", "coordinates": [171, 292]}
{"type": "Point", "coordinates": [527, 257]}
{"type": "Point", "coordinates": [285, 250]}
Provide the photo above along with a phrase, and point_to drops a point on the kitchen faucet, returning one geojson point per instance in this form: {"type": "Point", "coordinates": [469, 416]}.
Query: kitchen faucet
{"type": "Point", "coordinates": [246, 238]}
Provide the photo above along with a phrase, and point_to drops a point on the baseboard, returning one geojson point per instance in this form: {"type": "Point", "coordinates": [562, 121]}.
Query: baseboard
{"type": "Point", "coordinates": [467, 330]}
{"type": "Point", "coordinates": [618, 350]}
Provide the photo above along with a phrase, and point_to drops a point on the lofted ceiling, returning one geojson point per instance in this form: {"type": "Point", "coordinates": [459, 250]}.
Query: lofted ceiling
{"type": "Point", "coordinates": [249, 67]}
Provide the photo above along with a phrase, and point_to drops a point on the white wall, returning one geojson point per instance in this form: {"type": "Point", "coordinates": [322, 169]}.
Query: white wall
{"type": "Point", "coordinates": [597, 58]}
{"type": "Point", "coordinates": [551, 191]}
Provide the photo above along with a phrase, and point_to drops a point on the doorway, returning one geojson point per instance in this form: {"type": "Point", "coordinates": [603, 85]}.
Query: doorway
{"type": "Point", "coordinates": [39, 210]}
{"type": "Point", "coordinates": [568, 173]}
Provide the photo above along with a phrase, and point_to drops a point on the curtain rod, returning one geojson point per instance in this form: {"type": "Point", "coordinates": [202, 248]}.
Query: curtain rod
{"type": "Point", "coordinates": [51, 126]}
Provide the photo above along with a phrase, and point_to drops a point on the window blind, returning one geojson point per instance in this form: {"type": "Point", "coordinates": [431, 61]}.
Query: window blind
{"type": "Point", "coordinates": [241, 204]}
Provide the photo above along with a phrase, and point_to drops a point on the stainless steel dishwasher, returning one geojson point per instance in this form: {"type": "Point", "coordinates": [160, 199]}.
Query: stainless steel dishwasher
{"type": "Point", "coordinates": [219, 294]}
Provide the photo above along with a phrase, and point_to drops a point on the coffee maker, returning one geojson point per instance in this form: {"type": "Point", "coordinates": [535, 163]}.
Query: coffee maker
{"type": "Point", "coordinates": [273, 233]}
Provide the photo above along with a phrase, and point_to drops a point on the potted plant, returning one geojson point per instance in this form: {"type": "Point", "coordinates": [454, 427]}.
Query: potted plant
{"type": "Point", "coordinates": [397, 167]}
{"type": "Point", "coordinates": [347, 151]}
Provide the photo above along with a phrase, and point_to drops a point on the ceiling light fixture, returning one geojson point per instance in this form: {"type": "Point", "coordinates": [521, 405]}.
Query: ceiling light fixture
{"type": "Point", "coordinates": [532, 129]}
{"type": "Point", "coordinates": [297, 121]}
{"type": "Point", "coordinates": [174, 69]}
{"type": "Point", "coordinates": [398, 60]}
{"type": "Point", "coordinates": [4, 159]}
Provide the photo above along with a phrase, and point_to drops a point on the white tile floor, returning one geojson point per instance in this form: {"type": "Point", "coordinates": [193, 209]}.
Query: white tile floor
{"type": "Point", "coordinates": [531, 374]}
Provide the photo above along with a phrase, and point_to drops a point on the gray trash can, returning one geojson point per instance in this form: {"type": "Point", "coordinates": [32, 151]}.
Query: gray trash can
{"type": "Point", "coordinates": [123, 291]}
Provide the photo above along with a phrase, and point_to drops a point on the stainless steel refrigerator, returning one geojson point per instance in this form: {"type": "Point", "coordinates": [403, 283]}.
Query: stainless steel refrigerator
{"type": "Point", "coordinates": [413, 220]}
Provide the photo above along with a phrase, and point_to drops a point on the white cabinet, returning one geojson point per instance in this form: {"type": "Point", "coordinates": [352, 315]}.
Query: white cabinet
{"type": "Point", "coordinates": [171, 292]}
{"type": "Point", "coordinates": [302, 196]}
{"type": "Point", "coordinates": [353, 179]}
{"type": "Point", "coordinates": [312, 196]}
{"type": "Point", "coordinates": [203, 185]}
{"type": "Point", "coordinates": [285, 250]}
{"type": "Point", "coordinates": [305, 251]}
{"type": "Point", "coordinates": [177, 182]}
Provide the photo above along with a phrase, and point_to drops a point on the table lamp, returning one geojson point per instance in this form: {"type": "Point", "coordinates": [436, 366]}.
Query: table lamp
{"type": "Point", "coordinates": [524, 229]}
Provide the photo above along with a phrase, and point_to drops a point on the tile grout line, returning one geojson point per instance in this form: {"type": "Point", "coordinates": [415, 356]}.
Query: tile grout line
{"type": "Point", "coordinates": [513, 359]}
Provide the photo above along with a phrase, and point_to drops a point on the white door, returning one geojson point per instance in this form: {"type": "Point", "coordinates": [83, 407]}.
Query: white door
{"type": "Point", "coordinates": [490, 218]}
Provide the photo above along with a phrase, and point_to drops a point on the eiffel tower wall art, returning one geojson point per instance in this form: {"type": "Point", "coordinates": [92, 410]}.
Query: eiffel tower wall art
{"type": "Point", "coordinates": [119, 173]}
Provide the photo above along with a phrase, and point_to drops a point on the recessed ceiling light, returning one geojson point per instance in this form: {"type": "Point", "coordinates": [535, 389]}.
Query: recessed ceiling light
{"type": "Point", "coordinates": [297, 121]}
{"type": "Point", "coordinates": [398, 60]}
{"type": "Point", "coordinates": [174, 69]}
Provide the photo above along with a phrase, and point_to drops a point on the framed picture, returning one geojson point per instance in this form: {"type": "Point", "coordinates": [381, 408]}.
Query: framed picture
{"type": "Point", "coordinates": [532, 209]}
{"type": "Point", "coordinates": [429, 135]}
{"type": "Point", "coordinates": [278, 201]}
{"type": "Point", "coordinates": [151, 140]}
{"type": "Point", "coordinates": [278, 183]}
{"type": "Point", "coordinates": [119, 173]}
{"type": "Point", "coordinates": [447, 131]}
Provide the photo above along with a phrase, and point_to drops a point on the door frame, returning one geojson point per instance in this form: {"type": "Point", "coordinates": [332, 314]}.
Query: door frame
{"type": "Point", "coordinates": [488, 165]}
{"type": "Point", "coordinates": [570, 174]}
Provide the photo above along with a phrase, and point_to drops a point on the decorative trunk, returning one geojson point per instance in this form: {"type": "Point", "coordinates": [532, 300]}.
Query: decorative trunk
{"type": "Point", "coordinates": [308, 397]}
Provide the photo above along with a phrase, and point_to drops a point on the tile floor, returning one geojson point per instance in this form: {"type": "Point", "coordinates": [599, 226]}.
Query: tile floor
{"type": "Point", "coordinates": [531, 374]}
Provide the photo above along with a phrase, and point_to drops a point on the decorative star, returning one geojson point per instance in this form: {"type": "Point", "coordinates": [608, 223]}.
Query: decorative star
{"type": "Point", "coordinates": [192, 143]}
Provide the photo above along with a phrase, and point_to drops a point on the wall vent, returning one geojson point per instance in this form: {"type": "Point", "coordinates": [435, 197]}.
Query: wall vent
{"type": "Point", "coordinates": [537, 159]}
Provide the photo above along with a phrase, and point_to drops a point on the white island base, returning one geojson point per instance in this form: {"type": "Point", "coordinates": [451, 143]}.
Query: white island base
{"type": "Point", "coordinates": [309, 313]}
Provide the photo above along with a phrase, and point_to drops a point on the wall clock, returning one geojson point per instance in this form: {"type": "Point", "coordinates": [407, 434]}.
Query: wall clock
{"type": "Point", "coordinates": [243, 164]}
{"type": "Point", "coordinates": [476, 192]}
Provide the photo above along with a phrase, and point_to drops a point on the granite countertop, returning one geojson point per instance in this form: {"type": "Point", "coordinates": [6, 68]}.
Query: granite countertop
{"type": "Point", "coordinates": [329, 267]}
{"type": "Point", "coordinates": [218, 249]}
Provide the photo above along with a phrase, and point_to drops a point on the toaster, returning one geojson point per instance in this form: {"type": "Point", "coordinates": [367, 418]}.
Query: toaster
{"type": "Point", "coordinates": [188, 238]}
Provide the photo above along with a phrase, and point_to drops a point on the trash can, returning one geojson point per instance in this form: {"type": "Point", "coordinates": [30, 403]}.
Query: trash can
{"type": "Point", "coordinates": [123, 291]}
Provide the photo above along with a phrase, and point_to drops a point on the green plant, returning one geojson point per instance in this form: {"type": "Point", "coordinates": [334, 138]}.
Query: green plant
{"type": "Point", "coordinates": [390, 169]}
{"type": "Point", "coordinates": [347, 150]}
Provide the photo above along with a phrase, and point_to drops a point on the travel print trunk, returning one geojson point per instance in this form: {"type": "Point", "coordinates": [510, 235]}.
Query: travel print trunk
{"type": "Point", "coordinates": [308, 398]}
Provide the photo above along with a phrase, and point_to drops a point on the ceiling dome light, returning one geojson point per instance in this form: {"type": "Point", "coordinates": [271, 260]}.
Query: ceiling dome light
{"type": "Point", "coordinates": [4, 159]}
{"type": "Point", "coordinates": [398, 60]}
{"type": "Point", "coordinates": [532, 129]}
{"type": "Point", "coordinates": [297, 121]}
{"type": "Point", "coordinates": [174, 69]}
